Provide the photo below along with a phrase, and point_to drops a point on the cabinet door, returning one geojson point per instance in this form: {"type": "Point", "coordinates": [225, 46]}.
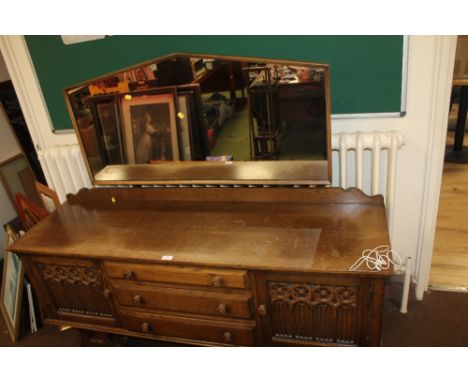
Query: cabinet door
{"type": "Point", "coordinates": [71, 290]}
{"type": "Point", "coordinates": [311, 310]}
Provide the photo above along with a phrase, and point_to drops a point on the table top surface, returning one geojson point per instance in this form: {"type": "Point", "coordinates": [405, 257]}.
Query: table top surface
{"type": "Point", "coordinates": [214, 172]}
{"type": "Point", "coordinates": [287, 233]}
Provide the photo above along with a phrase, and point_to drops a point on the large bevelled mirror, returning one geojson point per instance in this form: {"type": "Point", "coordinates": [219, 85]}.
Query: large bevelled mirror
{"type": "Point", "coordinates": [191, 119]}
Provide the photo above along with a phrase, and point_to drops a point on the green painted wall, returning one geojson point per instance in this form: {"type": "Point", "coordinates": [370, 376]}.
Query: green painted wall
{"type": "Point", "coordinates": [365, 71]}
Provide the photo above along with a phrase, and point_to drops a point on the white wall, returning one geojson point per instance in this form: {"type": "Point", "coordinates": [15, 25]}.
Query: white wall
{"type": "Point", "coordinates": [7, 213]}
{"type": "Point", "coordinates": [411, 158]}
{"type": "Point", "coordinates": [423, 92]}
{"type": "Point", "coordinates": [417, 127]}
{"type": "Point", "coordinates": [8, 148]}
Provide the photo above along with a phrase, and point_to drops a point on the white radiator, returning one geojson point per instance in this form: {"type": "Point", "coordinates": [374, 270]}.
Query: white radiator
{"type": "Point", "coordinates": [64, 169]}
{"type": "Point", "coordinates": [367, 161]}
{"type": "Point", "coordinates": [363, 160]}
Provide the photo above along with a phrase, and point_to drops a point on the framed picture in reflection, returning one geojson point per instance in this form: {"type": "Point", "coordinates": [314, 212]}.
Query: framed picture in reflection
{"type": "Point", "coordinates": [150, 128]}
{"type": "Point", "coordinates": [191, 123]}
{"type": "Point", "coordinates": [107, 129]}
{"type": "Point", "coordinates": [184, 127]}
{"type": "Point", "coordinates": [12, 286]}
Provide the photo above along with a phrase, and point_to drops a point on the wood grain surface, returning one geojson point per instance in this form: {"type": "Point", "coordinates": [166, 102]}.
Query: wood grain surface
{"type": "Point", "coordinates": [300, 230]}
{"type": "Point", "coordinates": [450, 257]}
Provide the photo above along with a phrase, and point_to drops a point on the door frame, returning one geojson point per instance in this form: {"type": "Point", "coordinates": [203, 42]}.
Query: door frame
{"type": "Point", "coordinates": [444, 54]}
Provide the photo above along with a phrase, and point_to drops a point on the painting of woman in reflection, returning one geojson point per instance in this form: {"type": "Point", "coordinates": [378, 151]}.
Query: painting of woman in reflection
{"type": "Point", "coordinates": [152, 134]}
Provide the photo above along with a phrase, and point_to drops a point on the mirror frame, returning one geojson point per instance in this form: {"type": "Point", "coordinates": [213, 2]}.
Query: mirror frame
{"type": "Point", "coordinates": [285, 172]}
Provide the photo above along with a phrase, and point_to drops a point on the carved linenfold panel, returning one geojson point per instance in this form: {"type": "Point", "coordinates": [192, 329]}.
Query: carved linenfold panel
{"type": "Point", "coordinates": [85, 312]}
{"type": "Point", "coordinates": [69, 274]}
{"type": "Point", "coordinates": [314, 312]}
{"type": "Point", "coordinates": [75, 289]}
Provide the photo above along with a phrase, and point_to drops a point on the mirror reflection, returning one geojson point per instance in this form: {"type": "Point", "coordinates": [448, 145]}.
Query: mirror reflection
{"type": "Point", "coordinates": [190, 108]}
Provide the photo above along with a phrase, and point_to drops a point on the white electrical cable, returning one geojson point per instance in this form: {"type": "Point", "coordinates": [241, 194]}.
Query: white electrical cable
{"type": "Point", "coordinates": [379, 259]}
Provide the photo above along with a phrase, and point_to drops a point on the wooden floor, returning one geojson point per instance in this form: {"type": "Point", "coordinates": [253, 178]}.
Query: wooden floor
{"type": "Point", "coordinates": [450, 258]}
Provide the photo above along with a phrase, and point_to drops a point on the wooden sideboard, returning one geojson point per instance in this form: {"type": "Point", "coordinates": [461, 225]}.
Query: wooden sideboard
{"type": "Point", "coordinates": [212, 266]}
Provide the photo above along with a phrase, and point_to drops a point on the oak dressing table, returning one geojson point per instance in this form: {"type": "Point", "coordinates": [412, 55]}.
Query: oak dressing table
{"type": "Point", "coordinates": [239, 253]}
{"type": "Point", "coordinates": [240, 266]}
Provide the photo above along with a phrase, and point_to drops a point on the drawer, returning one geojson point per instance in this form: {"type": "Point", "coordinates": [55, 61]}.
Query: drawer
{"type": "Point", "coordinates": [174, 274]}
{"type": "Point", "coordinates": [221, 332]}
{"type": "Point", "coordinates": [216, 303]}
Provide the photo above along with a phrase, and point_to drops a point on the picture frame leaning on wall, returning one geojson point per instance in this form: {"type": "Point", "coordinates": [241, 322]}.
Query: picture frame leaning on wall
{"type": "Point", "coordinates": [12, 286]}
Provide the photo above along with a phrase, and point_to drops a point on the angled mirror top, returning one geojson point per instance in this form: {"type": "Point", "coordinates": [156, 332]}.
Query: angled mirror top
{"type": "Point", "coordinates": [192, 119]}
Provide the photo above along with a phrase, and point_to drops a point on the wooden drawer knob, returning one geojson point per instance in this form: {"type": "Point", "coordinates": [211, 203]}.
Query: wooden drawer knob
{"type": "Point", "coordinates": [137, 299]}
{"type": "Point", "coordinates": [227, 337]}
{"type": "Point", "coordinates": [222, 309]}
{"type": "Point", "coordinates": [106, 293]}
{"type": "Point", "coordinates": [217, 281]}
{"type": "Point", "coordinates": [129, 275]}
{"type": "Point", "coordinates": [261, 310]}
{"type": "Point", "coordinates": [145, 327]}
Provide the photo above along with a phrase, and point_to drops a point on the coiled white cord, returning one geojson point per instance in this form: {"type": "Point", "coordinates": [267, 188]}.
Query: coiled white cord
{"type": "Point", "coordinates": [379, 259]}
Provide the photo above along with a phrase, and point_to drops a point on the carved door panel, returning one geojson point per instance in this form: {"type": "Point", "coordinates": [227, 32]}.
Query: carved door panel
{"type": "Point", "coordinates": [307, 310]}
{"type": "Point", "coordinates": [71, 290]}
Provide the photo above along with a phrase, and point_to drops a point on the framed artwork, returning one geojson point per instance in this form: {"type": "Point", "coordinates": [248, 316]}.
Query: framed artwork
{"type": "Point", "coordinates": [150, 127]}
{"type": "Point", "coordinates": [79, 100]}
{"type": "Point", "coordinates": [12, 286]}
{"type": "Point", "coordinates": [16, 176]}
{"type": "Point", "coordinates": [192, 126]}
{"type": "Point", "coordinates": [107, 129]}
{"type": "Point", "coordinates": [183, 116]}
